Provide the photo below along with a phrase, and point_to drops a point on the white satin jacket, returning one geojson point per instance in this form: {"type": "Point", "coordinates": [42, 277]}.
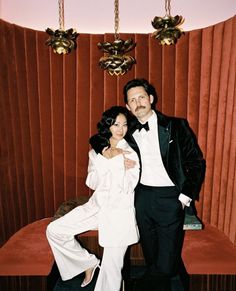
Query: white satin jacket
{"type": "Point", "coordinates": [114, 196]}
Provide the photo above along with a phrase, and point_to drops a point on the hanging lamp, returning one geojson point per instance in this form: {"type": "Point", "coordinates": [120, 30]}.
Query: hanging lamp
{"type": "Point", "coordinates": [115, 60]}
{"type": "Point", "coordinates": [62, 41]}
{"type": "Point", "coordinates": [167, 27]}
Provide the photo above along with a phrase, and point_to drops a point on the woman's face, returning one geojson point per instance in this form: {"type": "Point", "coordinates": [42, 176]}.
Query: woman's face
{"type": "Point", "coordinates": [119, 128]}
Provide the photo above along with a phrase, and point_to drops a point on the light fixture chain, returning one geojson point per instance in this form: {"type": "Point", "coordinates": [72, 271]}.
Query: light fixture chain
{"type": "Point", "coordinates": [117, 20]}
{"type": "Point", "coordinates": [167, 7]}
{"type": "Point", "coordinates": [61, 14]}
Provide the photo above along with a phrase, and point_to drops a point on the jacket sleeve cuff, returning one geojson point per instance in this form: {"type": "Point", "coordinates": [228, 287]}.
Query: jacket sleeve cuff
{"type": "Point", "coordinates": [185, 199]}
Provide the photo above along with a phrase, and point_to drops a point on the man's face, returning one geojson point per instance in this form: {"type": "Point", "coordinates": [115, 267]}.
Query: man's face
{"type": "Point", "coordinates": [139, 103]}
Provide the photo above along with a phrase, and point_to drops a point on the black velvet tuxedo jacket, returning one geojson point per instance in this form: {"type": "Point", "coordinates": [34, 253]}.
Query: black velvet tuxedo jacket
{"type": "Point", "coordinates": [181, 155]}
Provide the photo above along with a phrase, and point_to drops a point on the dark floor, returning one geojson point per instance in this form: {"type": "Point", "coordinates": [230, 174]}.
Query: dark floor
{"type": "Point", "coordinates": [197, 282]}
{"type": "Point", "coordinates": [74, 284]}
{"type": "Point", "coordinates": [56, 284]}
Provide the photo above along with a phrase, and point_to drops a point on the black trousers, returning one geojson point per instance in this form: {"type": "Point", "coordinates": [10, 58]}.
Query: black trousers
{"type": "Point", "coordinates": [160, 219]}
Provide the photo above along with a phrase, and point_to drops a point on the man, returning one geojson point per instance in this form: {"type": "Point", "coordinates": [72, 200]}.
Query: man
{"type": "Point", "coordinates": [172, 170]}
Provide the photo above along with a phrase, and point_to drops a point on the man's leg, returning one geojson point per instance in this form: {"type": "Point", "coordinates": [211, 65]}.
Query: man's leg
{"type": "Point", "coordinates": [180, 282]}
{"type": "Point", "coordinates": [160, 220]}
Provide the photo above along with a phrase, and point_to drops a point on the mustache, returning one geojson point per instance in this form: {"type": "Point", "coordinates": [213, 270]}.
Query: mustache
{"type": "Point", "coordinates": [139, 107]}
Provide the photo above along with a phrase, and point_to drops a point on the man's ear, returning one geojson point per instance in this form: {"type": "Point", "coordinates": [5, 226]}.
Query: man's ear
{"type": "Point", "coordinates": [127, 106]}
{"type": "Point", "coordinates": [151, 99]}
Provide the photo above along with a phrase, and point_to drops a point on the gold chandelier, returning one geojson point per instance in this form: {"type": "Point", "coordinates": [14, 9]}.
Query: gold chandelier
{"type": "Point", "coordinates": [115, 60]}
{"type": "Point", "coordinates": [62, 41]}
{"type": "Point", "coordinates": [167, 27]}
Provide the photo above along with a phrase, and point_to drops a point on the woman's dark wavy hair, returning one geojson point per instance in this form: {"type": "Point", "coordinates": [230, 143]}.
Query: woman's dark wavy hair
{"type": "Point", "coordinates": [149, 88]}
{"type": "Point", "coordinates": [101, 139]}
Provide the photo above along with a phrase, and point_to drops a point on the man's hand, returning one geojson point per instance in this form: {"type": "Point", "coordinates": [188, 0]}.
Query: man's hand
{"type": "Point", "coordinates": [129, 164]}
{"type": "Point", "coordinates": [109, 153]}
{"type": "Point", "coordinates": [183, 205]}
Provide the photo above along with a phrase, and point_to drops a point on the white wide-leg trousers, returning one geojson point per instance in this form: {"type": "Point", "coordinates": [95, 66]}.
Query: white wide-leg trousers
{"type": "Point", "coordinates": [110, 278]}
{"type": "Point", "coordinates": [72, 259]}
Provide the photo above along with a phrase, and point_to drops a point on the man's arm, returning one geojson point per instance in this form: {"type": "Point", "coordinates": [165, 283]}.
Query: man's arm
{"type": "Point", "coordinates": [193, 163]}
{"type": "Point", "coordinates": [98, 143]}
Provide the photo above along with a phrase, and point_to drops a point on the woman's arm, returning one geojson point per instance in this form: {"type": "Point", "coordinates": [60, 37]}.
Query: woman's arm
{"type": "Point", "coordinates": [97, 169]}
{"type": "Point", "coordinates": [132, 174]}
{"type": "Point", "coordinates": [100, 167]}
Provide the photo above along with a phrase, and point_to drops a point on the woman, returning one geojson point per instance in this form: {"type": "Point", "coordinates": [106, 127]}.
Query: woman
{"type": "Point", "coordinates": [110, 209]}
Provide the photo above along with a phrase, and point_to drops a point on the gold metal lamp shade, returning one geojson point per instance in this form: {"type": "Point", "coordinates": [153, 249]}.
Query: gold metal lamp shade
{"type": "Point", "coordinates": [168, 29]}
{"type": "Point", "coordinates": [115, 61]}
{"type": "Point", "coordinates": [62, 41]}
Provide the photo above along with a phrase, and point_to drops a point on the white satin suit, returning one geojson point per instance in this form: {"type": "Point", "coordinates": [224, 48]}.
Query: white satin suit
{"type": "Point", "coordinates": [110, 210]}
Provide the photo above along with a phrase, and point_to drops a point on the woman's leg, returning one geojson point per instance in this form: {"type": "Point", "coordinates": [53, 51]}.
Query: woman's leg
{"type": "Point", "coordinates": [110, 278]}
{"type": "Point", "coordinates": [71, 258]}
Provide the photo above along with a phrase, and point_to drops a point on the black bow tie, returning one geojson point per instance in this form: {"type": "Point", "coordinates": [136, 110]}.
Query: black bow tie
{"type": "Point", "coordinates": [145, 126]}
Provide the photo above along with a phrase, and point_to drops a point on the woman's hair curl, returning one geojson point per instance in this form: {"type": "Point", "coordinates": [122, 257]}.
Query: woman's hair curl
{"type": "Point", "coordinates": [101, 139]}
{"type": "Point", "coordinates": [108, 119]}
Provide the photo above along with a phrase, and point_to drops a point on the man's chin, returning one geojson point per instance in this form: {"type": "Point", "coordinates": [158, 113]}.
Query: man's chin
{"type": "Point", "coordinates": [140, 114]}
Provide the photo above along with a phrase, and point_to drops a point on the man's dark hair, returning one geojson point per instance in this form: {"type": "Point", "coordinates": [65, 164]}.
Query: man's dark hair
{"type": "Point", "coordinates": [143, 83]}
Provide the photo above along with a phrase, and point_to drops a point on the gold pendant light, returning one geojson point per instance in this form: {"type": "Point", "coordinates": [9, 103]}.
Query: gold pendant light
{"type": "Point", "coordinates": [115, 60]}
{"type": "Point", "coordinates": [167, 27]}
{"type": "Point", "coordinates": [62, 41]}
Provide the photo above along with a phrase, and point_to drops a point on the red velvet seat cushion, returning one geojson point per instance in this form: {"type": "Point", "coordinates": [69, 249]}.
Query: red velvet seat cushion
{"type": "Point", "coordinates": [27, 252]}
{"type": "Point", "coordinates": [209, 251]}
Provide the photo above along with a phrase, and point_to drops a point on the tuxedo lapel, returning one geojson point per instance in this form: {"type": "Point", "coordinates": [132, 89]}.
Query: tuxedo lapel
{"type": "Point", "coordinates": [164, 133]}
{"type": "Point", "coordinates": [129, 136]}
{"type": "Point", "coordinates": [131, 141]}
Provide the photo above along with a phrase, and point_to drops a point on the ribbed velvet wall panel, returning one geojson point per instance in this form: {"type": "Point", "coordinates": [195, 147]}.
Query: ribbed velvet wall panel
{"type": "Point", "coordinates": [50, 104]}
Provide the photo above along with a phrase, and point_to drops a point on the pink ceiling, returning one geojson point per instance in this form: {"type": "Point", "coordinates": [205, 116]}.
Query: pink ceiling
{"type": "Point", "coordinates": [97, 16]}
